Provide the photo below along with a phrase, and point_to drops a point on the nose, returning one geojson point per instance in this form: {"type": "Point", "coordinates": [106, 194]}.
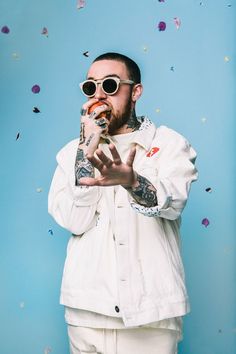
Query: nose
{"type": "Point", "coordinates": [100, 94]}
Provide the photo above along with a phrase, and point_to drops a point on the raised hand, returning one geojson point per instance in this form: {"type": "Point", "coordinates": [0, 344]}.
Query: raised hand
{"type": "Point", "coordinates": [112, 171]}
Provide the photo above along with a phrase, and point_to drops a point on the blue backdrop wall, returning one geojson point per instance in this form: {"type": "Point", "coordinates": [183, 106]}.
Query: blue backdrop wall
{"type": "Point", "coordinates": [189, 80]}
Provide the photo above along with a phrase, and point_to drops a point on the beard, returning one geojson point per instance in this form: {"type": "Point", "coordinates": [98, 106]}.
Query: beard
{"type": "Point", "coordinates": [119, 119]}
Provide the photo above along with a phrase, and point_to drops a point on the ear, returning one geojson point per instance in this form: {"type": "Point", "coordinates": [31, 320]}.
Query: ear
{"type": "Point", "coordinates": [137, 92]}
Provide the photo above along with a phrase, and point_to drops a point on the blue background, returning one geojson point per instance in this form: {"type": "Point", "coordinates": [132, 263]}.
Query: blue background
{"type": "Point", "coordinates": [189, 85]}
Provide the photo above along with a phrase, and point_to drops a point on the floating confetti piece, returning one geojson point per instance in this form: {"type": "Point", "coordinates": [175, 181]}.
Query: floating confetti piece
{"type": "Point", "coordinates": [47, 350]}
{"type": "Point", "coordinates": [209, 190]}
{"type": "Point", "coordinates": [161, 0]}
{"type": "Point", "coordinates": [15, 56]}
{"type": "Point", "coordinates": [35, 89]}
{"type": "Point", "coordinates": [5, 29]}
{"type": "Point", "coordinates": [36, 110]}
{"type": "Point", "coordinates": [161, 26]}
{"type": "Point", "coordinates": [22, 304]}
{"type": "Point", "coordinates": [177, 22]}
{"type": "Point", "coordinates": [158, 110]}
{"type": "Point", "coordinates": [229, 5]}
{"type": "Point", "coordinates": [45, 31]}
{"type": "Point", "coordinates": [220, 330]}
{"type": "Point", "coordinates": [172, 68]}
{"type": "Point", "coordinates": [86, 54]}
{"type": "Point", "coordinates": [152, 152]}
{"type": "Point", "coordinates": [50, 232]}
{"type": "Point", "coordinates": [226, 59]}
{"type": "Point", "coordinates": [80, 4]}
{"type": "Point", "coordinates": [203, 119]}
{"type": "Point", "coordinates": [145, 48]}
{"type": "Point", "coordinates": [205, 222]}
{"type": "Point", "coordinates": [17, 136]}
{"type": "Point", "coordinates": [39, 190]}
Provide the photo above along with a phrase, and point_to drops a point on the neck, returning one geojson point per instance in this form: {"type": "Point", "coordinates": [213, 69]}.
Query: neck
{"type": "Point", "coordinates": [131, 125]}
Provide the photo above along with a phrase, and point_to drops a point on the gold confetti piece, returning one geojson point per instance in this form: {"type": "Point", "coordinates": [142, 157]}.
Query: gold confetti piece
{"type": "Point", "coordinates": [47, 350]}
{"type": "Point", "coordinates": [15, 56]}
{"type": "Point", "coordinates": [39, 190]}
{"type": "Point", "coordinates": [158, 110]}
{"type": "Point", "coordinates": [226, 59]}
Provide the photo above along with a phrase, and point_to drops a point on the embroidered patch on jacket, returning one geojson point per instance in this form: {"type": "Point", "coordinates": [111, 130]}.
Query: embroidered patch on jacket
{"type": "Point", "coordinates": [153, 151]}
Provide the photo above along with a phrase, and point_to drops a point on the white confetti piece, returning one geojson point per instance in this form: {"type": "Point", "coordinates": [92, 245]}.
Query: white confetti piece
{"type": "Point", "coordinates": [177, 22]}
{"type": "Point", "coordinates": [39, 190]}
{"type": "Point", "coordinates": [22, 304]}
{"type": "Point", "coordinates": [47, 350]}
{"type": "Point", "coordinates": [226, 59]}
{"type": "Point", "coordinates": [158, 110]}
{"type": "Point", "coordinates": [203, 119]}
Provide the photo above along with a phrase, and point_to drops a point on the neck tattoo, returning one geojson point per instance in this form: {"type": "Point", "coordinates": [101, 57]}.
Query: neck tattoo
{"type": "Point", "coordinates": [132, 122]}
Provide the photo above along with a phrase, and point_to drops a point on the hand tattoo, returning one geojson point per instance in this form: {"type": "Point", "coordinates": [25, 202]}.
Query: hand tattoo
{"type": "Point", "coordinates": [144, 193]}
{"type": "Point", "coordinates": [133, 122]}
{"type": "Point", "coordinates": [83, 168]}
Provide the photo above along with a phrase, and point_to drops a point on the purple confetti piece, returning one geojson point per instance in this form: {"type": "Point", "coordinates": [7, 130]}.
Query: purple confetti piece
{"type": "Point", "coordinates": [36, 110]}
{"type": "Point", "coordinates": [35, 89]}
{"type": "Point", "coordinates": [45, 31]}
{"type": "Point", "coordinates": [205, 222]}
{"type": "Point", "coordinates": [5, 29]}
{"type": "Point", "coordinates": [161, 26]}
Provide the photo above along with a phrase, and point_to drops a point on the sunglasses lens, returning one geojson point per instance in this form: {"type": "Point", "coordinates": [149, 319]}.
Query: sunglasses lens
{"type": "Point", "coordinates": [110, 86]}
{"type": "Point", "coordinates": [89, 88]}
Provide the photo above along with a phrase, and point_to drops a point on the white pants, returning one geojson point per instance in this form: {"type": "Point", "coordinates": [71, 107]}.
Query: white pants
{"type": "Point", "coordinates": [122, 341]}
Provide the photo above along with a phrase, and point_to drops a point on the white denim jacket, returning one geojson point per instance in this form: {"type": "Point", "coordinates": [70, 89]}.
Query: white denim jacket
{"type": "Point", "coordinates": [123, 260]}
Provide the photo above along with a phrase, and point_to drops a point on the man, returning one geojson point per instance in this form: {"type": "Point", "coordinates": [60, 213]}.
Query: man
{"type": "Point", "coordinates": [120, 190]}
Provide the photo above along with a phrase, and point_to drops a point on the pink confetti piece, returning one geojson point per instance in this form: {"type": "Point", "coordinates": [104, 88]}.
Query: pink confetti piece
{"type": "Point", "coordinates": [35, 89]}
{"type": "Point", "coordinates": [161, 26]}
{"type": "Point", "coordinates": [205, 222]}
{"type": "Point", "coordinates": [80, 4]}
{"type": "Point", "coordinates": [45, 31]}
{"type": "Point", "coordinates": [5, 29]}
{"type": "Point", "coordinates": [177, 22]}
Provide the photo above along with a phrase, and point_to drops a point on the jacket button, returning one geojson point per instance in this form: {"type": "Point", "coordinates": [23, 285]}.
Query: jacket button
{"type": "Point", "coordinates": [117, 309]}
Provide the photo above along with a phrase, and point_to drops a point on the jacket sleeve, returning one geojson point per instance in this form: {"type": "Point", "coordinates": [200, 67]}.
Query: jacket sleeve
{"type": "Point", "coordinates": [172, 173]}
{"type": "Point", "coordinates": [72, 207]}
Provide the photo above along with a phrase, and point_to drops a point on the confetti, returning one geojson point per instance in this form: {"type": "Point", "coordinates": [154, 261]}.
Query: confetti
{"type": "Point", "coordinates": [22, 304]}
{"type": "Point", "coordinates": [36, 110]}
{"type": "Point", "coordinates": [80, 4]}
{"type": "Point", "coordinates": [226, 59]}
{"type": "Point", "coordinates": [161, 0]}
{"type": "Point", "coordinates": [161, 26]}
{"type": "Point", "coordinates": [177, 22]}
{"type": "Point", "coordinates": [47, 350]}
{"type": "Point", "coordinates": [86, 54]}
{"type": "Point", "coordinates": [18, 135]}
{"type": "Point", "coordinates": [205, 222]}
{"type": "Point", "coordinates": [39, 190]}
{"type": "Point", "coordinates": [35, 89]}
{"type": "Point", "coordinates": [209, 190]}
{"type": "Point", "coordinates": [5, 29]}
{"type": "Point", "coordinates": [145, 49]}
{"type": "Point", "coordinates": [45, 31]}
{"type": "Point", "coordinates": [15, 56]}
{"type": "Point", "coordinates": [158, 110]}
{"type": "Point", "coordinates": [172, 68]}
{"type": "Point", "coordinates": [203, 119]}
{"type": "Point", "coordinates": [229, 5]}
{"type": "Point", "coordinates": [50, 232]}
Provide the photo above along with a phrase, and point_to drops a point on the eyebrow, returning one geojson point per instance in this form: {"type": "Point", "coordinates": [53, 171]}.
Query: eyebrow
{"type": "Point", "coordinates": [110, 75]}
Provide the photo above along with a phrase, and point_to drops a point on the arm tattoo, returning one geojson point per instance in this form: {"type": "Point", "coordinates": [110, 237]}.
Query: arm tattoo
{"type": "Point", "coordinates": [144, 193]}
{"type": "Point", "coordinates": [82, 137]}
{"type": "Point", "coordinates": [83, 167]}
{"type": "Point", "coordinates": [89, 139]}
{"type": "Point", "coordinates": [133, 122]}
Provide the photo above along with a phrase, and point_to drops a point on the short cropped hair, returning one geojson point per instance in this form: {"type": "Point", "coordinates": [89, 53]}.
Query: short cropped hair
{"type": "Point", "coordinates": [132, 68]}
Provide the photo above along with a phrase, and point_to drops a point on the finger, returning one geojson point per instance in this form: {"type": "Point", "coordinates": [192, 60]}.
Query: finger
{"type": "Point", "coordinates": [103, 110]}
{"type": "Point", "coordinates": [95, 162]}
{"type": "Point", "coordinates": [131, 156]}
{"type": "Point", "coordinates": [104, 159]}
{"type": "Point", "coordinates": [115, 154]}
{"type": "Point", "coordinates": [89, 103]}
